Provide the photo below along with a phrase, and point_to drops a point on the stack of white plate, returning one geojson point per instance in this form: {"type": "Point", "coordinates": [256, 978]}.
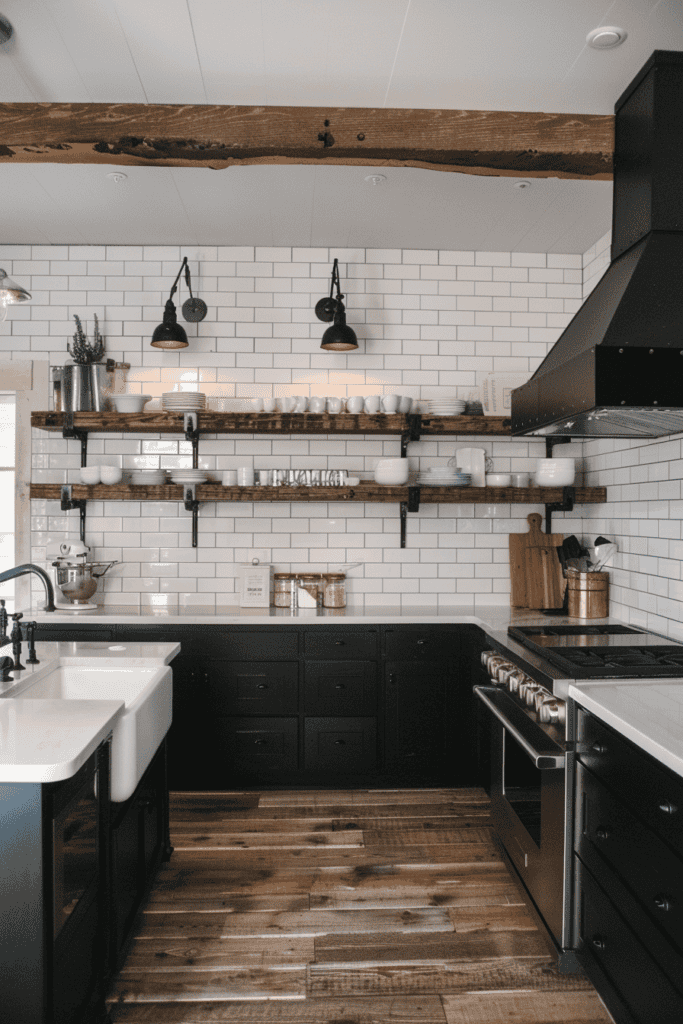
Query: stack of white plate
{"type": "Point", "coordinates": [188, 476]}
{"type": "Point", "coordinates": [183, 401]}
{"type": "Point", "coordinates": [445, 407]}
{"type": "Point", "coordinates": [444, 478]}
{"type": "Point", "coordinates": [148, 477]}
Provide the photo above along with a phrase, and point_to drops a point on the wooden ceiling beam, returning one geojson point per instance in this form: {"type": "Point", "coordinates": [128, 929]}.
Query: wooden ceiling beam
{"type": "Point", "coordinates": [510, 143]}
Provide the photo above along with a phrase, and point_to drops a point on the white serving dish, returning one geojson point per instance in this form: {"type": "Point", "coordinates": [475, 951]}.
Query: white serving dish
{"type": "Point", "coordinates": [555, 472]}
{"type": "Point", "coordinates": [498, 480]}
{"type": "Point", "coordinates": [129, 403]}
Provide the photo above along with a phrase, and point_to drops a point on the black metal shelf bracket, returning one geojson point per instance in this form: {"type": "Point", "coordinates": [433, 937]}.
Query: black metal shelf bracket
{"type": "Point", "coordinates": [566, 505]}
{"type": "Point", "coordinates": [411, 505]}
{"type": "Point", "coordinates": [72, 433]}
{"type": "Point", "coordinates": [192, 505]}
{"type": "Point", "coordinates": [192, 435]}
{"type": "Point", "coordinates": [550, 443]}
{"type": "Point", "coordinates": [411, 434]}
{"type": "Point", "coordinates": [68, 503]}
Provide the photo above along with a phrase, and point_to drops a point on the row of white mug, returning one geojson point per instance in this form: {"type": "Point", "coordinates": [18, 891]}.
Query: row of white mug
{"type": "Point", "coordinates": [354, 404]}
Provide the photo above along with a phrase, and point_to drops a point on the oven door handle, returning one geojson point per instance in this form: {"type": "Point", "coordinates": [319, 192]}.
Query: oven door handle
{"type": "Point", "coordinates": [517, 723]}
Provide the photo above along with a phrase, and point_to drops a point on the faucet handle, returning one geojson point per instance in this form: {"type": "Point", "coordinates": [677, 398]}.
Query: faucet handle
{"type": "Point", "coordinates": [6, 666]}
{"type": "Point", "coordinates": [17, 615]}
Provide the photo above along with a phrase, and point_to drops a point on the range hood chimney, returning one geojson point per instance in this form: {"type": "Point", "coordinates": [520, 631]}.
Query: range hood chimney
{"type": "Point", "coordinates": [617, 369]}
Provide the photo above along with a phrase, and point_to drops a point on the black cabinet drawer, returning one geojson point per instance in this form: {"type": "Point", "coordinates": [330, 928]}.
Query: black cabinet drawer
{"type": "Point", "coordinates": [259, 645]}
{"type": "Point", "coordinates": [607, 830]}
{"type": "Point", "coordinates": [249, 688]}
{"type": "Point", "coordinates": [249, 745]}
{"type": "Point", "coordinates": [353, 644]}
{"type": "Point", "coordinates": [417, 644]}
{"type": "Point", "coordinates": [340, 687]}
{"type": "Point", "coordinates": [66, 633]}
{"type": "Point", "coordinates": [607, 938]}
{"type": "Point", "coordinates": [340, 744]}
{"type": "Point", "coordinates": [650, 790]}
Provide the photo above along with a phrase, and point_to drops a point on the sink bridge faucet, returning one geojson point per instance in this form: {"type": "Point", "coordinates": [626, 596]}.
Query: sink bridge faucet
{"type": "Point", "coordinates": [24, 570]}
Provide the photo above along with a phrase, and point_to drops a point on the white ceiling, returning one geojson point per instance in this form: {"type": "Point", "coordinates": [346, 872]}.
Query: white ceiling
{"type": "Point", "coordinates": [466, 54]}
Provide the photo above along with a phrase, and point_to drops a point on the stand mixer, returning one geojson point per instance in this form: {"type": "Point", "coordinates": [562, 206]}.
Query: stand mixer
{"type": "Point", "coordinates": [75, 576]}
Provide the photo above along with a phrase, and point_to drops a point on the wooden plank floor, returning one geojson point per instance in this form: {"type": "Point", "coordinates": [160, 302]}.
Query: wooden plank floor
{"type": "Point", "coordinates": [340, 907]}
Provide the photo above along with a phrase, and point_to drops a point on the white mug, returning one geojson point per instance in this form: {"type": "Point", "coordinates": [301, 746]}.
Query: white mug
{"type": "Point", "coordinates": [334, 404]}
{"type": "Point", "coordinates": [229, 478]}
{"type": "Point", "coordinates": [390, 403]}
{"type": "Point", "coordinates": [371, 404]}
{"type": "Point", "coordinates": [300, 403]}
{"type": "Point", "coordinates": [316, 404]}
{"type": "Point", "coordinates": [256, 404]}
{"type": "Point", "coordinates": [520, 479]}
{"type": "Point", "coordinates": [354, 404]}
{"type": "Point", "coordinates": [287, 403]}
{"type": "Point", "coordinates": [405, 404]}
{"type": "Point", "coordinates": [269, 405]}
{"type": "Point", "coordinates": [245, 476]}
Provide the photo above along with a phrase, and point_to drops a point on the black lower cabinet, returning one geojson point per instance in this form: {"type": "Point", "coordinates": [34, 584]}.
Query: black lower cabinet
{"type": "Point", "coordinates": [414, 719]}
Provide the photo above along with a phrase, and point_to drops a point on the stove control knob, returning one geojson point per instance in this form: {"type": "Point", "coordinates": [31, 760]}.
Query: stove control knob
{"type": "Point", "coordinates": [518, 681]}
{"type": "Point", "coordinates": [553, 712]}
{"type": "Point", "coordinates": [530, 693]}
{"type": "Point", "coordinates": [502, 672]}
{"type": "Point", "coordinates": [493, 662]}
{"type": "Point", "coordinates": [540, 696]}
{"type": "Point", "coordinates": [487, 656]}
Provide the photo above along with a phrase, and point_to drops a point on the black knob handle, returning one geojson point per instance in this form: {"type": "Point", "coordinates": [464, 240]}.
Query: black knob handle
{"type": "Point", "coordinates": [340, 643]}
{"type": "Point", "coordinates": [663, 902]}
{"type": "Point", "coordinates": [340, 686]}
{"type": "Point", "coordinates": [666, 807]}
{"type": "Point", "coordinates": [599, 748]}
{"type": "Point", "coordinates": [260, 743]}
{"type": "Point", "coordinates": [598, 941]}
{"type": "Point", "coordinates": [340, 743]}
{"type": "Point", "coordinates": [421, 642]}
{"type": "Point", "coordinates": [602, 833]}
{"type": "Point", "coordinates": [17, 615]}
{"type": "Point", "coordinates": [392, 679]}
{"type": "Point", "coordinates": [262, 686]}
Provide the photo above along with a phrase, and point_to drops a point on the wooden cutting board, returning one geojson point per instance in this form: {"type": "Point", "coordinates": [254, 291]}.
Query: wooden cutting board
{"type": "Point", "coordinates": [528, 571]}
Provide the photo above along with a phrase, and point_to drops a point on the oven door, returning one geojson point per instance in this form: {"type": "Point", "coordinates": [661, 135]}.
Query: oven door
{"type": "Point", "coordinates": [529, 779]}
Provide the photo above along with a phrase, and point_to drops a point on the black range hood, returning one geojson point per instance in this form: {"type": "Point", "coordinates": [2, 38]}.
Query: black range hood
{"type": "Point", "coordinates": [617, 369]}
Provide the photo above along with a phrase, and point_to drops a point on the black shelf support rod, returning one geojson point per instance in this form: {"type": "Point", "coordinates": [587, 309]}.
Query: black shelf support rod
{"type": "Point", "coordinates": [192, 435]}
{"type": "Point", "coordinates": [411, 505]}
{"type": "Point", "coordinates": [566, 505]}
{"type": "Point", "coordinates": [68, 503]}
{"type": "Point", "coordinates": [192, 505]}
{"type": "Point", "coordinates": [411, 434]}
{"type": "Point", "coordinates": [72, 433]}
{"type": "Point", "coordinates": [550, 443]}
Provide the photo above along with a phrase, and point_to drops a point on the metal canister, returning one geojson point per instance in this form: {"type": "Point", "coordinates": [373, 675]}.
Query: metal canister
{"type": "Point", "coordinates": [587, 594]}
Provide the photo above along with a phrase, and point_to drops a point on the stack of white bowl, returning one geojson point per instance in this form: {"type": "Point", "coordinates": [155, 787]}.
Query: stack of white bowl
{"type": "Point", "coordinates": [148, 477]}
{"type": "Point", "coordinates": [444, 407]}
{"type": "Point", "coordinates": [188, 476]}
{"type": "Point", "coordinates": [183, 401]}
{"type": "Point", "coordinates": [444, 477]}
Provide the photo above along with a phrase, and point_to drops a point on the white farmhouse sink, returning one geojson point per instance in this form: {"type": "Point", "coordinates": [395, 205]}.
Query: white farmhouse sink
{"type": "Point", "coordinates": [147, 691]}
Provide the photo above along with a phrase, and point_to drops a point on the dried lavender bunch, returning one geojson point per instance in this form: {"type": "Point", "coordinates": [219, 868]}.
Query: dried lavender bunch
{"type": "Point", "coordinates": [83, 352]}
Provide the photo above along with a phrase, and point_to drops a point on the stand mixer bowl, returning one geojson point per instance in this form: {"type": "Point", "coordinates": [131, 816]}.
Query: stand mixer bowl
{"type": "Point", "coordinates": [78, 582]}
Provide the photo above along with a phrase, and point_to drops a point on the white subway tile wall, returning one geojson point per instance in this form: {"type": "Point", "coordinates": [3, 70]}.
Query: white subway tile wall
{"type": "Point", "coordinates": [430, 323]}
{"type": "Point", "coordinates": [643, 511]}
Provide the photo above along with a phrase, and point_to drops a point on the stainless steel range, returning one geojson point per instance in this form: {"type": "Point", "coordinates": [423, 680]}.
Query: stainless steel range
{"type": "Point", "coordinates": [533, 740]}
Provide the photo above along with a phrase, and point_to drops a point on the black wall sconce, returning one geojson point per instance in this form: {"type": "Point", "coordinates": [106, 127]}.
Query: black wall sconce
{"type": "Point", "coordinates": [339, 337]}
{"type": "Point", "coordinates": [169, 334]}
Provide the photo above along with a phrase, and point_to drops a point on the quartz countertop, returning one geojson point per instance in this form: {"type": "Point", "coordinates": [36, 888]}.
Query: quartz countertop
{"type": "Point", "coordinates": [49, 740]}
{"type": "Point", "coordinates": [647, 712]}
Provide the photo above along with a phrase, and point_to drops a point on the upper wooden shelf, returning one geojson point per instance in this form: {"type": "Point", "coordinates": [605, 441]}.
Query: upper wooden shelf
{"type": "Point", "coordinates": [270, 423]}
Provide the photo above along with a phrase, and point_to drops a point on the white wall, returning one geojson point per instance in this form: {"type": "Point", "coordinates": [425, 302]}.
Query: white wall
{"type": "Point", "coordinates": [429, 322]}
{"type": "Point", "coordinates": [642, 514]}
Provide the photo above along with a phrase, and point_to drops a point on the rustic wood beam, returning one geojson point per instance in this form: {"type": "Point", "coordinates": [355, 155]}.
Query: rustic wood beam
{"type": "Point", "coordinates": [510, 143]}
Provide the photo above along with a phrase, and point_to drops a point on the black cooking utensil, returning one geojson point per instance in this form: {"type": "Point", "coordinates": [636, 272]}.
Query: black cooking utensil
{"type": "Point", "coordinates": [601, 540]}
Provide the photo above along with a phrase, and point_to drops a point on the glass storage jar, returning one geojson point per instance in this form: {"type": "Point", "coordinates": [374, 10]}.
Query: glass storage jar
{"type": "Point", "coordinates": [284, 590]}
{"type": "Point", "coordinates": [334, 594]}
{"type": "Point", "coordinates": [310, 586]}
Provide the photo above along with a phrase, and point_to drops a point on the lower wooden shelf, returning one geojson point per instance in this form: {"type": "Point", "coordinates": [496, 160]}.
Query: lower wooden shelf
{"type": "Point", "coordinates": [362, 492]}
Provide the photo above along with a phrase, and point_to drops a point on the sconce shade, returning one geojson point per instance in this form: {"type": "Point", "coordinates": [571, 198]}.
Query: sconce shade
{"type": "Point", "coordinates": [10, 291]}
{"type": "Point", "coordinates": [169, 334]}
{"type": "Point", "coordinates": [339, 337]}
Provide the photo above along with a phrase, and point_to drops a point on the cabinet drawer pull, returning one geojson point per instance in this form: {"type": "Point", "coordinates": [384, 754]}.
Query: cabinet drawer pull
{"type": "Point", "coordinates": [663, 902]}
{"type": "Point", "coordinates": [260, 743]}
{"type": "Point", "coordinates": [666, 807]}
{"type": "Point", "coordinates": [340, 743]}
{"type": "Point", "coordinates": [340, 643]}
{"type": "Point", "coordinates": [602, 833]}
{"type": "Point", "coordinates": [340, 686]}
{"type": "Point", "coordinates": [598, 941]}
{"type": "Point", "coordinates": [421, 642]}
{"type": "Point", "coordinates": [599, 748]}
{"type": "Point", "coordinates": [262, 686]}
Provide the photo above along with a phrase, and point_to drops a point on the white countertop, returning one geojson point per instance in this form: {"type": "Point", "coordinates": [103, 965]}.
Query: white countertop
{"type": "Point", "coordinates": [49, 740]}
{"type": "Point", "coordinates": [647, 712]}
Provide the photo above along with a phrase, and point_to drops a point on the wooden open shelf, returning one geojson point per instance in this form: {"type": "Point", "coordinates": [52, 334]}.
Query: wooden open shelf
{"type": "Point", "coordinates": [270, 423]}
{"type": "Point", "coordinates": [362, 492]}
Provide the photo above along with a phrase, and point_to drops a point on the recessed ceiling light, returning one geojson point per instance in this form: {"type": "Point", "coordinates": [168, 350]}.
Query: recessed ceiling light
{"type": "Point", "coordinates": [5, 30]}
{"type": "Point", "coordinates": [606, 37]}
{"type": "Point", "coordinates": [522, 184]}
{"type": "Point", "coordinates": [376, 179]}
{"type": "Point", "coordinates": [117, 177]}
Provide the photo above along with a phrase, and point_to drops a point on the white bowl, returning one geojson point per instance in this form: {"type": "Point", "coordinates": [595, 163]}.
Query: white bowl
{"type": "Point", "coordinates": [392, 471]}
{"type": "Point", "coordinates": [555, 472]}
{"type": "Point", "coordinates": [129, 403]}
{"type": "Point", "coordinates": [111, 474]}
{"type": "Point", "coordinates": [89, 475]}
{"type": "Point", "coordinates": [498, 479]}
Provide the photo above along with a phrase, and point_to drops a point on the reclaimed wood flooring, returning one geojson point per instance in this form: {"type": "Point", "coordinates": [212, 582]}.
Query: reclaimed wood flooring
{"type": "Point", "coordinates": [340, 907]}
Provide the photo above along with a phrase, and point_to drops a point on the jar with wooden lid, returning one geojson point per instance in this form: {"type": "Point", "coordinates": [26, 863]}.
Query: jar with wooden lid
{"type": "Point", "coordinates": [310, 589]}
{"type": "Point", "coordinates": [284, 590]}
{"type": "Point", "coordinates": [334, 593]}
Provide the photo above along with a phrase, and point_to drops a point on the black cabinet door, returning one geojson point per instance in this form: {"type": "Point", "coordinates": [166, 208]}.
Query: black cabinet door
{"type": "Point", "coordinates": [249, 688]}
{"type": "Point", "coordinates": [340, 688]}
{"type": "Point", "coordinates": [415, 719]}
{"type": "Point", "coordinates": [126, 875]}
{"type": "Point", "coordinates": [77, 971]}
{"type": "Point", "coordinates": [248, 746]}
{"type": "Point", "coordinates": [344, 745]}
